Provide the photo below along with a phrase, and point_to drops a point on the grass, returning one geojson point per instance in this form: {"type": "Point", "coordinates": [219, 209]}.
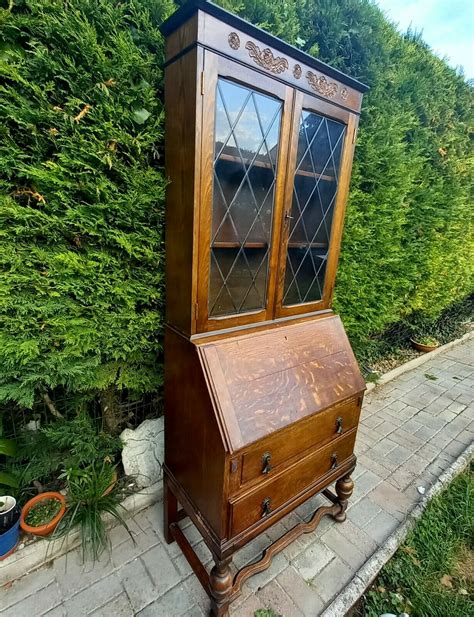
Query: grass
{"type": "Point", "coordinates": [432, 573]}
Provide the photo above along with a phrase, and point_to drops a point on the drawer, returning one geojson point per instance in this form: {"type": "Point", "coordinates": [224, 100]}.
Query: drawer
{"type": "Point", "coordinates": [273, 493]}
{"type": "Point", "coordinates": [266, 455]}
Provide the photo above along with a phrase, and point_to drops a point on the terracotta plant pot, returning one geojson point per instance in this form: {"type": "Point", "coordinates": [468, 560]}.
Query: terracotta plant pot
{"type": "Point", "coordinates": [42, 530]}
{"type": "Point", "coordinates": [422, 347]}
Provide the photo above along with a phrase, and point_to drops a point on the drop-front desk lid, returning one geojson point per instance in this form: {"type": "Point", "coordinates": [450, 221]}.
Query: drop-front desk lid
{"type": "Point", "coordinates": [261, 382]}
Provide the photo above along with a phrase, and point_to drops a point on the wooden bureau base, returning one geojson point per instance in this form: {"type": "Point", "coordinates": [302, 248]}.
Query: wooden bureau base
{"type": "Point", "coordinates": [221, 586]}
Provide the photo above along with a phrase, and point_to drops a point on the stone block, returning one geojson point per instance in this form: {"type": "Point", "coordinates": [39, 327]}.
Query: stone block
{"type": "Point", "coordinates": [401, 478]}
{"type": "Point", "coordinates": [273, 596]}
{"type": "Point", "coordinates": [130, 548]}
{"type": "Point", "coordinates": [247, 608]}
{"type": "Point", "coordinates": [161, 569]}
{"type": "Point", "coordinates": [399, 455]}
{"type": "Point", "coordinates": [20, 589]}
{"type": "Point", "coordinates": [143, 452]}
{"type": "Point", "coordinates": [94, 596]}
{"type": "Point", "coordinates": [304, 594]}
{"type": "Point", "coordinates": [343, 548]}
{"type": "Point", "coordinates": [313, 559]}
{"type": "Point", "coordinates": [74, 575]}
{"type": "Point", "coordinates": [118, 607]}
{"type": "Point", "coordinates": [391, 500]}
{"type": "Point", "coordinates": [364, 484]}
{"type": "Point", "coordinates": [386, 427]}
{"type": "Point", "coordinates": [332, 579]}
{"type": "Point", "coordinates": [138, 584]}
{"type": "Point", "coordinates": [38, 603]}
{"type": "Point", "coordinates": [382, 526]}
{"type": "Point", "coordinates": [173, 603]}
{"type": "Point", "coordinates": [363, 512]}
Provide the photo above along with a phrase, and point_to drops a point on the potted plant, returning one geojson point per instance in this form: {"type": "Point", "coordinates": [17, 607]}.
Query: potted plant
{"type": "Point", "coordinates": [41, 514]}
{"type": "Point", "coordinates": [9, 525]}
{"type": "Point", "coordinates": [424, 343]}
{"type": "Point", "coordinates": [92, 492]}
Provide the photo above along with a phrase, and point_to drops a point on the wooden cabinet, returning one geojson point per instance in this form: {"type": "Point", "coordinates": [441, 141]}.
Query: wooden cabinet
{"type": "Point", "coordinates": [262, 390]}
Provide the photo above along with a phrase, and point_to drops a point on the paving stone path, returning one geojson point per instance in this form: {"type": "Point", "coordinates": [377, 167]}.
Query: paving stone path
{"type": "Point", "coordinates": [412, 429]}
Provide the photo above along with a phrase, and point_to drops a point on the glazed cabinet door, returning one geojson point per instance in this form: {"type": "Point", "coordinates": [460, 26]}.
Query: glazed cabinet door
{"type": "Point", "coordinates": [320, 159]}
{"type": "Point", "coordinates": [245, 132]}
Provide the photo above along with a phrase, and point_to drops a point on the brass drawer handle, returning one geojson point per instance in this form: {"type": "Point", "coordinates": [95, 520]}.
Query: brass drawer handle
{"type": "Point", "coordinates": [339, 428]}
{"type": "Point", "coordinates": [266, 458]}
{"type": "Point", "coordinates": [334, 462]}
{"type": "Point", "coordinates": [266, 507]}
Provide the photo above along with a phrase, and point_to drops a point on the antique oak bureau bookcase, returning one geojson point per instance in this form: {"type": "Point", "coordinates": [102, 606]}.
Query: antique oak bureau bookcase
{"type": "Point", "coordinates": [262, 390]}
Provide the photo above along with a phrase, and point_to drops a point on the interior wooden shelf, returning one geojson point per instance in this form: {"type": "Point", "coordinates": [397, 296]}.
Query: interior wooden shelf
{"type": "Point", "coordinates": [303, 245]}
{"type": "Point", "coordinates": [263, 245]}
{"type": "Point", "coordinates": [237, 245]}
{"type": "Point", "coordinates": [299, 172]}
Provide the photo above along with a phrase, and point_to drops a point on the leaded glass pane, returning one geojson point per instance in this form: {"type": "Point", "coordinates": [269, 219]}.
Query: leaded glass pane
{"type": "Point", "coordinates": [314, 195]}
{"type": "Point", "coordinates": [247, 132]}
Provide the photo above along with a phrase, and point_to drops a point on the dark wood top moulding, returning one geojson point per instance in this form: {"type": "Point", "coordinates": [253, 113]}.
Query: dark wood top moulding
{"type": "Point", "coordinates": [192, 6]}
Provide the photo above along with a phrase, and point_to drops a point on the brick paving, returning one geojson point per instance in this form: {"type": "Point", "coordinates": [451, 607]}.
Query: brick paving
{"type": "Point", "coordinates": [412, 429]}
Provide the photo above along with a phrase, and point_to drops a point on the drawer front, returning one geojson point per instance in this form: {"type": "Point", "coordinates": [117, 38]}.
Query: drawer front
{"type": "Point", "coordinates": [269, 496]}
{"type": "Point", "coordinates": [267, 454]}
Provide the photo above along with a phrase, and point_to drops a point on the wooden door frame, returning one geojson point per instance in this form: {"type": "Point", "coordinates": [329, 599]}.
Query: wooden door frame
{"type": "Point", "coordinates": [218, 66]}
{"type": "Point", "coordinates": [305, 101]}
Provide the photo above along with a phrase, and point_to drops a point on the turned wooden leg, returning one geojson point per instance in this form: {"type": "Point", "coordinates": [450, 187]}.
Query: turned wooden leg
{"type": "Point", "coordinates": [344, 488]}
{"type": "Point", "coordinates": [220, 583]}
{"type": "Point", "coordinates": [170, 511]}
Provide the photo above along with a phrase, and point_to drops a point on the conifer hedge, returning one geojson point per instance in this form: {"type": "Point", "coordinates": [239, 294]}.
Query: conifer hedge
{"type": "Point", "coordinates": [82, 183]}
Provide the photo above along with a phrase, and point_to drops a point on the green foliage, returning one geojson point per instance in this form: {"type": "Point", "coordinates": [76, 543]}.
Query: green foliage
{"type": "Point", "coordinates": [82, 187]}
{"type": "Point", "coordinates": [74, 443]}
{"type": "Point", "coordinates": [81, 205]}
{"type": "Point", "coordinates": [43, 512]}
{"type": "Point", "coordinates": [90, 496]}
{"type": "Point", "coordinates": [82, 441]}
{"type": "Point", "coordinates": [408, 245]}
{"type": "Point", "coordinates": [413, 579]}
{"type": "Point", "coordinates": [394, 343]}
{"type": "Point", "coordinates": [8, 448]}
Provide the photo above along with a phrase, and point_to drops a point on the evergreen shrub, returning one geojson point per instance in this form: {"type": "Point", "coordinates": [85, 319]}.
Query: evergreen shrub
{"type": "Point", "coordinates": [82, 193]}
{"type": "Point", "coordinates": [82, 184]}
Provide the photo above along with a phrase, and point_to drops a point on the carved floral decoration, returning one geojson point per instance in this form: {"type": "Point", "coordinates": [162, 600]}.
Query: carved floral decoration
{"type": "Point", "coordinates": [234, 40]}
{"type": "Point", "coordinates": [266, 59]}
{"type": "Point", "coordinates": [297, 71]}
{"type": "Point", "coordinates": [321, 85]}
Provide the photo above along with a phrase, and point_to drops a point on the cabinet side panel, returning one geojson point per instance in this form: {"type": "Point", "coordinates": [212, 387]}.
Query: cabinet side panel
{"type": "Point", "coordinates": [194, 452]}
{"type": "Point", "coordinates": [182, 153]}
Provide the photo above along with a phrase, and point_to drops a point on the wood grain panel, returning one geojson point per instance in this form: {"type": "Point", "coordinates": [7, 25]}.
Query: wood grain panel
{"type": "Point", "coordinates": [183, 37]}
{"type": "Point", "coordinates": [296, 440]}
{"type": "Point", "coordinates": [182, 150]}
{"type": "Point", "coordinates": [290, 348]}
{"type": "Point", "coordinates": [216, 36]}
{"type": "Point", "coordinates": [193, 447]}
{"type": "Point", "coordinates": [248, 509]}
{"type": "Point", "coordinates": [269, 380]}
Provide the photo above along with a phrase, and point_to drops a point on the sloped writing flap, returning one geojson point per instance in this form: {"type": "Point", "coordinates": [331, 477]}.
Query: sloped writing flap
{"type": "Point", "coordinates": [262, 382]}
